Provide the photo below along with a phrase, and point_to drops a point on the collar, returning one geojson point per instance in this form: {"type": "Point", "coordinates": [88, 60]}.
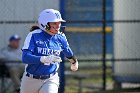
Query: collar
{"type": "Point", "coordinates": [47, 34]}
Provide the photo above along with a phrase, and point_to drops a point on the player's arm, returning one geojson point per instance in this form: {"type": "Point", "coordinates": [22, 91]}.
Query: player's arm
{"type": "Point", "coordinates": [28, 49]}
{"type": "Point", "coordinates": [29, 58]}
{"type": "Point", "coordinates": [69, 54]}
{"type": "Point", "coordinates": [72, 59]}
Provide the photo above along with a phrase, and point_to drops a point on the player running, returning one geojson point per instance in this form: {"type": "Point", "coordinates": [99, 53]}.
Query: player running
{"type": "Point", "coordinates": [41, 54]}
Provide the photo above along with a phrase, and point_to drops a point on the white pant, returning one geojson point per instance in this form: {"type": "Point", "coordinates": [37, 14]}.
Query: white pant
{"type": "Point", "coordinates": [30, 85]}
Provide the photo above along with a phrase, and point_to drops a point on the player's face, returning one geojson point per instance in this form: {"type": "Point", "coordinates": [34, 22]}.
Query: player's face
{"type": "Point", "coordinates": [54, 27]}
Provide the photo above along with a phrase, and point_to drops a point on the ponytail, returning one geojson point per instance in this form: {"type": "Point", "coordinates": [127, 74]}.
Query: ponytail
{"type": "Point", "coordinates": [34, 27]}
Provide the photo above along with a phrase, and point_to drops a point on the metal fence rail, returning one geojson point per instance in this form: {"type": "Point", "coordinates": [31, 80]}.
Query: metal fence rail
{"type": "Point", "coordinates": [91, 47]}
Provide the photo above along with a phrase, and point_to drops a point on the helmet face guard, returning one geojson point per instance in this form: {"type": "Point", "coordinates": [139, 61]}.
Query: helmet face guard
{"type": "Point", "coordinates": [49, 15]}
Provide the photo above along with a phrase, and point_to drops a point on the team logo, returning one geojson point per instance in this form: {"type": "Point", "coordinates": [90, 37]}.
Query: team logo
{"type": "Point", "coordinates": [40, 42]}
{"type": "Point", "coordinates": [46, 51]}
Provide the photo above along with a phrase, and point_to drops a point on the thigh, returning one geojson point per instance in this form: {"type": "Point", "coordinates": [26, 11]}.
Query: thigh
{"type": "Point", "coordinates": [29, 85]}
{"type": "Point", "coordinates": [51, 85]}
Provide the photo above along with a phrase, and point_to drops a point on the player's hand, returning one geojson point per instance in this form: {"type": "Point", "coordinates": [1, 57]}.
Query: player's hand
{"type": "Point", "coordinates": [74, 63]}
{"type": "Point", "coordinates": [74, 66]}
{"type": "Point", "coordinates": [50, 59]}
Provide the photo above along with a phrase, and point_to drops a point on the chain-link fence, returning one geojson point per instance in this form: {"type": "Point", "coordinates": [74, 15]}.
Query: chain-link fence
{"type": "Point", "coordinates": [104, 35]}
{"type": "Point", "coordinates": [86, 37]}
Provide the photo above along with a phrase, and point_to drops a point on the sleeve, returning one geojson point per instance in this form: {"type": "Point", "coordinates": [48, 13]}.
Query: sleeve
{"type": "Point", "coordinates": [66, 48]}
{"type": "Point", "coordinates": [27, 51]}
{"type": "Point", "coordinates": [29, 43]}
{"type": "Point", "coordinates": [29, 58]}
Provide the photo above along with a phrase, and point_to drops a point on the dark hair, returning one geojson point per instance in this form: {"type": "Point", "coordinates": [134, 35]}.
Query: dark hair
{"type": "Point", "coordinates": [34, 27]}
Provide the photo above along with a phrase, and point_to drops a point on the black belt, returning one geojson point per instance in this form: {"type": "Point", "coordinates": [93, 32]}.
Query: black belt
{"type": "Point", "coordinates": [39, 77]}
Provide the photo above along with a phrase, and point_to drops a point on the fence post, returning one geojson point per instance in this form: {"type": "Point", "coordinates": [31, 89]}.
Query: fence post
{"type": "Point", "coordinates": [62, 65]}
{"type": "Point", "coordinates": [104, 43]}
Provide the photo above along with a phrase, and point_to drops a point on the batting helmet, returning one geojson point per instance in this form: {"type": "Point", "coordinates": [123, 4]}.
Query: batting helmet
{"type": "Point", "coordinates": [49, 15]}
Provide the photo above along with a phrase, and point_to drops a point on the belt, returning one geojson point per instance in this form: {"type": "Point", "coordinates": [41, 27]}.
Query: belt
{"type": "Point", "coordinates": [40, 77]}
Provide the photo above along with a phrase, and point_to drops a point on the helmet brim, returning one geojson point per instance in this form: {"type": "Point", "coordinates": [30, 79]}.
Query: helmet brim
{"type": "Point", "coordinates": [61, 20]}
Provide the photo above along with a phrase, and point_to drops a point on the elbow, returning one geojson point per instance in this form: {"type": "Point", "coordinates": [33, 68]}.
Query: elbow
{"type": "Point", "coordinates": [24, 58]}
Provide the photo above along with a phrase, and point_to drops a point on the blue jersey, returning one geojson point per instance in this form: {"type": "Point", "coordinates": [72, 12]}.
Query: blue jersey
{"type": "Point", "coordinates": [39, 43]}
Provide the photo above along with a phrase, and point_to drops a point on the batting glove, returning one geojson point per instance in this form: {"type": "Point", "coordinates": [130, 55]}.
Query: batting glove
{"type": "Point", "coordinates": [74, 66]}
{"type": "Point", "coordinates": [74, 63]}
{"type": "Point", "coordinates": [50, 59]}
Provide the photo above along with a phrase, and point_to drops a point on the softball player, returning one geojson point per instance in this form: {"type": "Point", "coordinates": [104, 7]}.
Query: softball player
{"type": "Point", "coordinates": [41, 54]}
